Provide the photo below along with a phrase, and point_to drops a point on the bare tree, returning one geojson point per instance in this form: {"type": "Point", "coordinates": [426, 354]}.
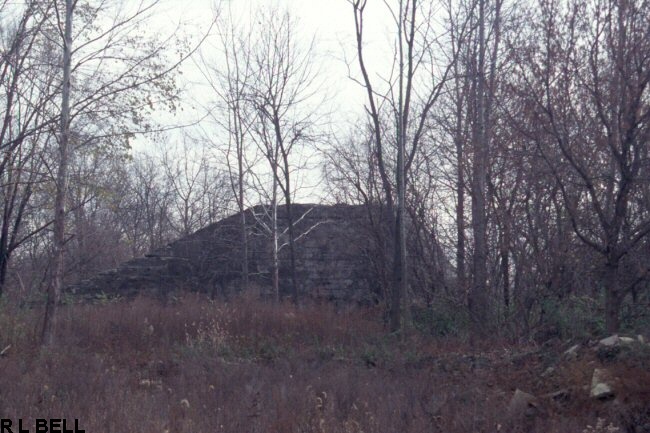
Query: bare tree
{"type": "Point", "coordinates": [461, 87]}
{"type": "Point", "coordinates": [26, 85]}
{"type": "Point", "coordinates": [407, 101]}
{"type": "Point", "coordinates": [192, 182]}
{"type": "Point", "coordinates": [54, 290]}
{"type": "Point", "coordinates": [587, 91]}
{"type": "Point", "coordinates": [282, 95]}
{"type": "Point", "coordinates": [146, 212]}
{"type": "Point", "coordinates": [482, 97]}
{"type": "Point", "coordinates": [108, 102]}
{"type": "Point", "coordinates": [229, 80]}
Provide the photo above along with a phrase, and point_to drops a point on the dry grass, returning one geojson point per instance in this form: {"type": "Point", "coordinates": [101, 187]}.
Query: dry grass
{"type": "Point", "coordinates": [198, 366]}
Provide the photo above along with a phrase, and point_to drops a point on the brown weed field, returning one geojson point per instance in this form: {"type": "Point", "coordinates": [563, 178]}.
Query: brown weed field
{"type": "Point", "coordinates": [194, 366]}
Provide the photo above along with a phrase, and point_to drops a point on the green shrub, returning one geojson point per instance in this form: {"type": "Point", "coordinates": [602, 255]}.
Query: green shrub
{"type": "Point", "coordinates": [635, 316]}
{"type": "Point", "coordinates": [441, 320]}
{"type": "Point", "coordinates": [574, 316]}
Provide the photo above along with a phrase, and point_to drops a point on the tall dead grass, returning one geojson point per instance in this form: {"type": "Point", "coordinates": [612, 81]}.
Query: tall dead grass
{"type": "Point", "coordinates": [246, 366]}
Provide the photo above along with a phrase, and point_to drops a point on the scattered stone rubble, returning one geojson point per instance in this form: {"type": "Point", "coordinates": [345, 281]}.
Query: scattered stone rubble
{"type": "Point", "coordinates": [603, 384]}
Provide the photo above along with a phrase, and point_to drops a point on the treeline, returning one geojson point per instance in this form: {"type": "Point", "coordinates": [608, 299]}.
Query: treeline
{"type": "Point", "coordinates": [515, 136]}
{"type": "Point", "coordinates": [521, 130]}
{"type": "Point", "coordinates": [117, 204]}
{"type": "Point", "coordinates": [502, 152]}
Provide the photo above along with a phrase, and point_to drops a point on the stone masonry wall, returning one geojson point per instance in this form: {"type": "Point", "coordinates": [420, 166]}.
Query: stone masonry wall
{"type": "Point", "coordinates": [331, 258]}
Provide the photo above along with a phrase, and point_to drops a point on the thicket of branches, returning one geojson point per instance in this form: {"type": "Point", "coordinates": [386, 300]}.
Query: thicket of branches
{"type": "Point", "coordinates": [502, 154]}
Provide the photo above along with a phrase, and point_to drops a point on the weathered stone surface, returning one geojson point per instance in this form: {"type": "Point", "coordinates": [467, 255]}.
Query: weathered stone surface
{"type": "Point", "coordinates": [523, 404]}
{"type": "Point", "coordinates": [562, 394]}
{"type": "Point", "coordinates": [612, 340]}
{"type": "Point", "coordinates": [332, 258]}
{"type": "Point", "coordinates": [572, 353]}
{"type": "Point", "coordinates": [548, 372]}
{"type": "Point", "coordinates": [559, 396]}
{"type": "Point", "coordinates": [616, 340]}
{"type": "Point", "coordinates": [602, 384]}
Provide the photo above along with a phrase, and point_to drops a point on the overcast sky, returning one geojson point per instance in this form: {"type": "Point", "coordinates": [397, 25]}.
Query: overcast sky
{"type": "Point", "coordinates": [331, 22]}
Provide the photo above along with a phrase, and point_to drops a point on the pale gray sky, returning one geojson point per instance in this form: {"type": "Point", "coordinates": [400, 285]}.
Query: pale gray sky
{"type": "Point", "coordinates": [330, 22]}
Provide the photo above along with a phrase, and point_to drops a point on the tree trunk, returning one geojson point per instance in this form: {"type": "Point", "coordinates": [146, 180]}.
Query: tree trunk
{"type": "Point", "coordinates": [399, 277]}
{"type": "Point", "coordinates": [287, 202]}
{"type": "Point", "coordinates": [505, 274]}
{"type": "Point", "coordinates": [244, 254]}
{"type": "Point", "coordinates": [4, 251]}
{"type": "Point", "coordinates": [54, 289]}
{"type": "Point", "coordinates": [292, 256]}
{"type": "Point", "coordinates": [478, 297]}
{"type": "Point", "coordinates": [242, 220]}
{"type": "Point", "coordinates": [613, 298]}
{"type": "Point", "coordinates": [460, 209]}
{"type": "Point", "coordinates": [4, 263]}
{"type": "Point", "coordinates": [399, 305]}
{"type": "Point", "coordinates": [275, 277]}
